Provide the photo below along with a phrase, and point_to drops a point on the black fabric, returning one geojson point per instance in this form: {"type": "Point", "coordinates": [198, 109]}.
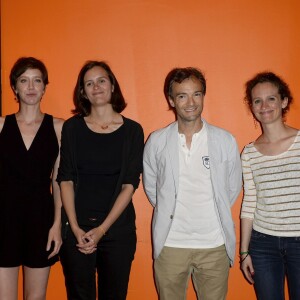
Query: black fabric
{"type": "Point", "coordinates": [116, 249]}
{"type": "Point", "coordinates": [131, 167]}
{"type": "Point", "coordinates": [26, 203]}
{"type": "Point", "coordinates": [112, 260]}
{"type": "Point", "coordinates": [99, 160]}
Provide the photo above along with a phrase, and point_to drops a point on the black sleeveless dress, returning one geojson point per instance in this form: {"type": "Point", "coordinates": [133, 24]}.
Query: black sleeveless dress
{"type": "Point", "coordinates": [26, 202]}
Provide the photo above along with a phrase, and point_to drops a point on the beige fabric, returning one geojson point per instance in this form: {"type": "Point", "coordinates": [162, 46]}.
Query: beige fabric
{"type": "Point", "coordinates": [209, 269]}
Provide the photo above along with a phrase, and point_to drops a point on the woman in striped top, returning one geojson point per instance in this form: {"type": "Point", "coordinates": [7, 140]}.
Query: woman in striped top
{"type": "Point", "coordinates": [270, 215]}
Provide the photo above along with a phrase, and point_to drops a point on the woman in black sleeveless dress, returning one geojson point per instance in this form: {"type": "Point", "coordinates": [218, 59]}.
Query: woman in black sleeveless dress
{"type": "Point", "coordinates": [29, 212]}
{"type": "Point", "coordinates": [101, 162]}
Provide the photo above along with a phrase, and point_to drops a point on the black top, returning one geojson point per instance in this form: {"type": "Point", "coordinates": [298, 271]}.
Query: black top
{"type": "Point", "coordinates": [99, 163]}
{"type": "Point", "coordinates": [127, 169]}
{"type": "Point", "coordinates": [32, 167]}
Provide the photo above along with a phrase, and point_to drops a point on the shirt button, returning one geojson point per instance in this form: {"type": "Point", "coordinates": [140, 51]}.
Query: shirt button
{"type": "Point", "coordinates": [171, 217]}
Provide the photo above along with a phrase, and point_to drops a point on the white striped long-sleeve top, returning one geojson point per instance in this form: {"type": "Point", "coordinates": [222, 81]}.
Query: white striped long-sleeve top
{"type": "Point", "coordinates": [272, 190]}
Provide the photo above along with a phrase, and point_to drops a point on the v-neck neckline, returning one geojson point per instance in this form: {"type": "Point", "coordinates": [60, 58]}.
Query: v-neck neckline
{"type": "Point", "coordinates": [33, 140]}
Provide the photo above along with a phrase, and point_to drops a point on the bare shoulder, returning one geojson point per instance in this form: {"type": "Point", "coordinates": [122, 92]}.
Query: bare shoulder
{"type": "Point", "coordinates": [2, 119]}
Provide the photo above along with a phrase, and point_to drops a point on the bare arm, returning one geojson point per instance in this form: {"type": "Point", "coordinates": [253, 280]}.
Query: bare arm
{"type": "Point", "coordinates": [67, 195]}
{"type": "Point", "coordinates": [54, 235]}
{"type": "Point", "coordinates": [121, 203]}
{"type": "Point", "coordinates": [2, 119]}
{"type": "Point", "coordinates": [246, 262]}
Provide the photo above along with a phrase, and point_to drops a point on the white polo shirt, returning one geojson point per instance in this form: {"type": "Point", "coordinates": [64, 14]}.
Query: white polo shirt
{"type": "Point", "coordinates": [195, 223]}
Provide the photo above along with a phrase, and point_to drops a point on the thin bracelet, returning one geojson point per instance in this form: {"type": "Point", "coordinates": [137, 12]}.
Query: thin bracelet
{"type": "Point", "coordinates": [244, 258]}
{"type": "Point", "coordinates": [102, 230]}
{"type": "Point", "coordinates": [244, 252]}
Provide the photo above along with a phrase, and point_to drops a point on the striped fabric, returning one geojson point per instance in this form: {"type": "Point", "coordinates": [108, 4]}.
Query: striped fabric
{"type": "Point", "coordinates": [272, 190]}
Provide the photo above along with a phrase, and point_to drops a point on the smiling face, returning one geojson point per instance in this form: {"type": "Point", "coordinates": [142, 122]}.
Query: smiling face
{"type": "Point", "coordinates": [187, 99]}
{"type": "Point", "coordinates": [97, 86]}
{"type": "Point", "coordinates": [267, 104]}
{"type": "Point", "coordinates": [30, 87]}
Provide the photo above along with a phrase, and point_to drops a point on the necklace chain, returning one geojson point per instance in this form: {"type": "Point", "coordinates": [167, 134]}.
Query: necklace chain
{"type": "Point", "coordinates": [105, 125]}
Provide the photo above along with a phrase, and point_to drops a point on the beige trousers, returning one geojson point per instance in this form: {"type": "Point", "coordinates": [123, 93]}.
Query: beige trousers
{"type": "Point", "coordinates": [209, 269]}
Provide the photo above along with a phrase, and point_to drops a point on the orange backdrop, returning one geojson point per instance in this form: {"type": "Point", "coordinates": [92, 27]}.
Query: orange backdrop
{"type": "Point", "coordinates": [142, 40]}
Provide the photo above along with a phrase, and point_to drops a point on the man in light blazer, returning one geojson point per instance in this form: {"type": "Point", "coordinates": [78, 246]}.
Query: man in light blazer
{"type": "Point", "coordinates": [192, 176]}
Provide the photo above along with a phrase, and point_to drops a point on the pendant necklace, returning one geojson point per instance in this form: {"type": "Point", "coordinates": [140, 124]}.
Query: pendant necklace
{"type": "Point", "coordinates": [106, 126]}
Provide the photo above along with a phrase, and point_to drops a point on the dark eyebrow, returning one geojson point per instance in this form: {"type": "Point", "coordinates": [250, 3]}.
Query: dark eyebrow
{"type": "Point", "coordinates": [183, 93]}
{"type": "Point", "coordinates": [179, 94]}
{"type": "Point", "coordinates": [100, 77]}
{"type": "Point", "coordinates": [27, 77]}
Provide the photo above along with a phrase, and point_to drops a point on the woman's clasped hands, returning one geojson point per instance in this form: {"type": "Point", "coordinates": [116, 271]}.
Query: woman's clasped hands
{"type": "Point", "coordinates": [87, 241]}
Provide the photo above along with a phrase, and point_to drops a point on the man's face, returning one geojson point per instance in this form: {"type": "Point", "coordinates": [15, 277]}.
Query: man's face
{"type": "Point", "coordinates": [187, 99]}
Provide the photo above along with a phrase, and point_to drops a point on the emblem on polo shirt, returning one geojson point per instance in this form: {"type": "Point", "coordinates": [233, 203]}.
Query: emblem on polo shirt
{"type": "Point", "coordinates": [205, 160]}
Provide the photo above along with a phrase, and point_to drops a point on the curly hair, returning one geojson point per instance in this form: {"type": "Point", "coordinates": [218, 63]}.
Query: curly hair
{"type": "Point", "coordinates": [283, 88]}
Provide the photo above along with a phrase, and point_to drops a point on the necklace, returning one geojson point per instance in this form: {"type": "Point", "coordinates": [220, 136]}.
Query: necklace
{"type": "Point", "coordinates": [106, 126]}
{"type": "Point", "coordinates": [94, 124]}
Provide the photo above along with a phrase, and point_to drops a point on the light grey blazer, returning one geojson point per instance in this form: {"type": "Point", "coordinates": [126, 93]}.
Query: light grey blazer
{"type": "Point", "coordinates": [161, 176]}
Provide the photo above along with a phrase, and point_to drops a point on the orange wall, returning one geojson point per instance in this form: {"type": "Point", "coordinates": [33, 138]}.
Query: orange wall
{"type": "Point", "coordinates": [142, 40]}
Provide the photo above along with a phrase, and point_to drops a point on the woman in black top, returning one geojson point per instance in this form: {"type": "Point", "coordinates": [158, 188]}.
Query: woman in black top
{"type": "Point", "coordinates": [30, 204]}
{"type": "Point", "coordinates": [101, 162]}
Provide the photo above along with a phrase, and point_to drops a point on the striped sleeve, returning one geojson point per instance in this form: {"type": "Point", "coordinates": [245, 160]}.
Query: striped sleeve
{"type": "Point", "coordinates": [250, 195]}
